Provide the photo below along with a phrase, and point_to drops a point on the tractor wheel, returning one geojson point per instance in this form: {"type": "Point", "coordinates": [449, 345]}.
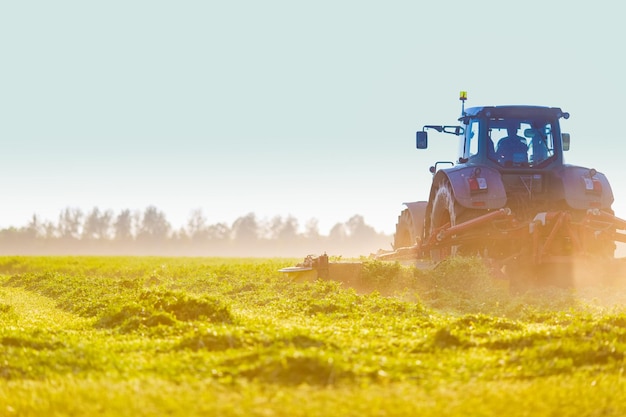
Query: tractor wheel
{"type": "Point", "coordinates": [404, 235]}
{"type": "Point", "coordinates": [444, 210]}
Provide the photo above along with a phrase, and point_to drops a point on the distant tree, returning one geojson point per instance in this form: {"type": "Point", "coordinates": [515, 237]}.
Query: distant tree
{"type": "Point", "coordinates": [123, 225]}
{"type": "Point", "coordinates": [289, 229]}
{"type": "Point", "coordinates": [97, 224]}
{"type": "Point", "coordinates": [196, 225]}
{"type": "Point", "coordinates": [49, 230]}
{"type": "Point", "coordinates": [357, 229]}
{"type": "Point", "coordinates": [137, 218]}
{"type": "Point", "coordinates": [90, 224]}
{"type": "Point", "coordinates": [247, 235]}
{"type": "Point", "coordinates": [70, 221]}
{"type": "Point", "coordinates": [154, 225]}
{"type": "Point", "coordinates": [312, 229]}
{"type": "Point", "coordinates": [246, 228]}
{"type": "Point", "coordinates": [179, 235]}
{"type": "Point", "coordinates": [272, 228]}
{"type": "Point", "coordinates": [281, 229]}
{"type": "Point", "coordinates": [338, 232]}
{"type": "Point", "coordinates": [218, 232]}
{"type": "Point", "coordinates": [35, 228]}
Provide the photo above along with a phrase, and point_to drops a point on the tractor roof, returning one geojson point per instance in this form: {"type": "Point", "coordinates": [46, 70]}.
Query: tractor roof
{"type": "Point", "coordinates": [516, 112]}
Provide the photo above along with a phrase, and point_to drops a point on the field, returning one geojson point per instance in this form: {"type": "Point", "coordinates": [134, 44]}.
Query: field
{"type": "Point", "coordinates": [147, 336]}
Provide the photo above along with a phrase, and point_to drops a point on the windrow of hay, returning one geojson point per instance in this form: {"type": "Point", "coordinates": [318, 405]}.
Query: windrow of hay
{"type": "Point", "coordinates": [180, 337]}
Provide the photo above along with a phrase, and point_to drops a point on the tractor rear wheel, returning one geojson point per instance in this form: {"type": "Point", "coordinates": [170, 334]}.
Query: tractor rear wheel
{"type": "Point", "coordinates": [446, 210]}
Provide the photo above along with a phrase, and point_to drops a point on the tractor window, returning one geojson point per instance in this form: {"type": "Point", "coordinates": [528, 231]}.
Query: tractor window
{"type": "Point", "coordinates": [521, 143]}
{"type": "Point", "coordinates": [541, 146]}
{"type": "Point", "coordinates": [472, 138]}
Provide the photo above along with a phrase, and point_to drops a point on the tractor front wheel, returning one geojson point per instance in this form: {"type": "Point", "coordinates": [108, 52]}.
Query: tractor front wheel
{"type": "Point", "coordinates": [404, 236]}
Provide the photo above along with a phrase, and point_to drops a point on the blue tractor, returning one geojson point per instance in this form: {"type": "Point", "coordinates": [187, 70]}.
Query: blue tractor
{"type": "Point", "coordinates": [510, 198]}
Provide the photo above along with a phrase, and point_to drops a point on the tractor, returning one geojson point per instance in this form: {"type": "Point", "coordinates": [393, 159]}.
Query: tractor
{"type": "Point", "coordinates": [511, 199]}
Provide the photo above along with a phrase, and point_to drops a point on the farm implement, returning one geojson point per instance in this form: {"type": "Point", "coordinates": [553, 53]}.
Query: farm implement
{"type": "Point", "coordinates": [510, 199]}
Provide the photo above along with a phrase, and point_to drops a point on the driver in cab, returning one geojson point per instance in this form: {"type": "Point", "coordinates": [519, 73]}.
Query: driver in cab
{"type": "Point", "coordinates": [512, 149]}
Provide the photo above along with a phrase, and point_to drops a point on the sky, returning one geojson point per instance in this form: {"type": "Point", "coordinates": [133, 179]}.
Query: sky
{"type": "Point", "coordinates": [283, 108]}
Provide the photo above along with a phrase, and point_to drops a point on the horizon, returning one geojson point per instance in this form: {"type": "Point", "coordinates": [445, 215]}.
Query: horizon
{"type": "Point", "coordinates": [138, 213]}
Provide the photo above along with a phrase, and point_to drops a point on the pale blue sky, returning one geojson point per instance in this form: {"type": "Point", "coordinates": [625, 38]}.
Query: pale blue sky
{"type": "Point", "coordinates": [283, 107]}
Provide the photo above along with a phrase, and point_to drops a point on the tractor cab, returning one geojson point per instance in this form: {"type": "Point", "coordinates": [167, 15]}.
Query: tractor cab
{"type": "Point", "coordinates": [507, 137]}
{"type": "Point", "coordinates": [512, 136]}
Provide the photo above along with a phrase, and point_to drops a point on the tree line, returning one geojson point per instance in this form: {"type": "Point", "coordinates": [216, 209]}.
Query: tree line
{"type": "Point", "coordinates": [148, 232]}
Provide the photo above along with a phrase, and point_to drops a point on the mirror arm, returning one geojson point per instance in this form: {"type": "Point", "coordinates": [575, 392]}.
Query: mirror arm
{"type": "Point", "coordinates": [438, 128]}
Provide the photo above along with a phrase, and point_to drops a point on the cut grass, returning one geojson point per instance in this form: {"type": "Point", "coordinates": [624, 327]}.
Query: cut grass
{"type": "Point", "coordinates": [208, 336]}
{"type": "Point", "coordinates": [567, 397]}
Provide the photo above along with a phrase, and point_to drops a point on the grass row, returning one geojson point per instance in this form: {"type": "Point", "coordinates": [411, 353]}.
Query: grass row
{"type": "Point", "coordinates": [80, 335]}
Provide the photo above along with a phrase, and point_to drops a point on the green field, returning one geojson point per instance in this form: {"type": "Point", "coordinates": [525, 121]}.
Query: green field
{"type": "Point", "coordinates": [147, 336]}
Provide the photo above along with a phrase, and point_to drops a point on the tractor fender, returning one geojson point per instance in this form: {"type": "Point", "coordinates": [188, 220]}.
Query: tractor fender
{"type": "Point", "coordinates": [494, 197]}
{"type": "Point", "coordinates": [575, 190]}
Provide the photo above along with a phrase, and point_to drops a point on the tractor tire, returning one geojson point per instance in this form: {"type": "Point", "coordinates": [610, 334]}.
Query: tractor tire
{"type": "Point", "coordinates": [404, 236]}
{"type": "Point", "coordinates": [444, 210]}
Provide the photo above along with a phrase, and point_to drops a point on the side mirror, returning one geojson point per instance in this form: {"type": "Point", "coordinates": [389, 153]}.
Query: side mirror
{"type": "Point", "coordinates": [421, 140]}
{"type": "Point", "coordinates": [565, 140]}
